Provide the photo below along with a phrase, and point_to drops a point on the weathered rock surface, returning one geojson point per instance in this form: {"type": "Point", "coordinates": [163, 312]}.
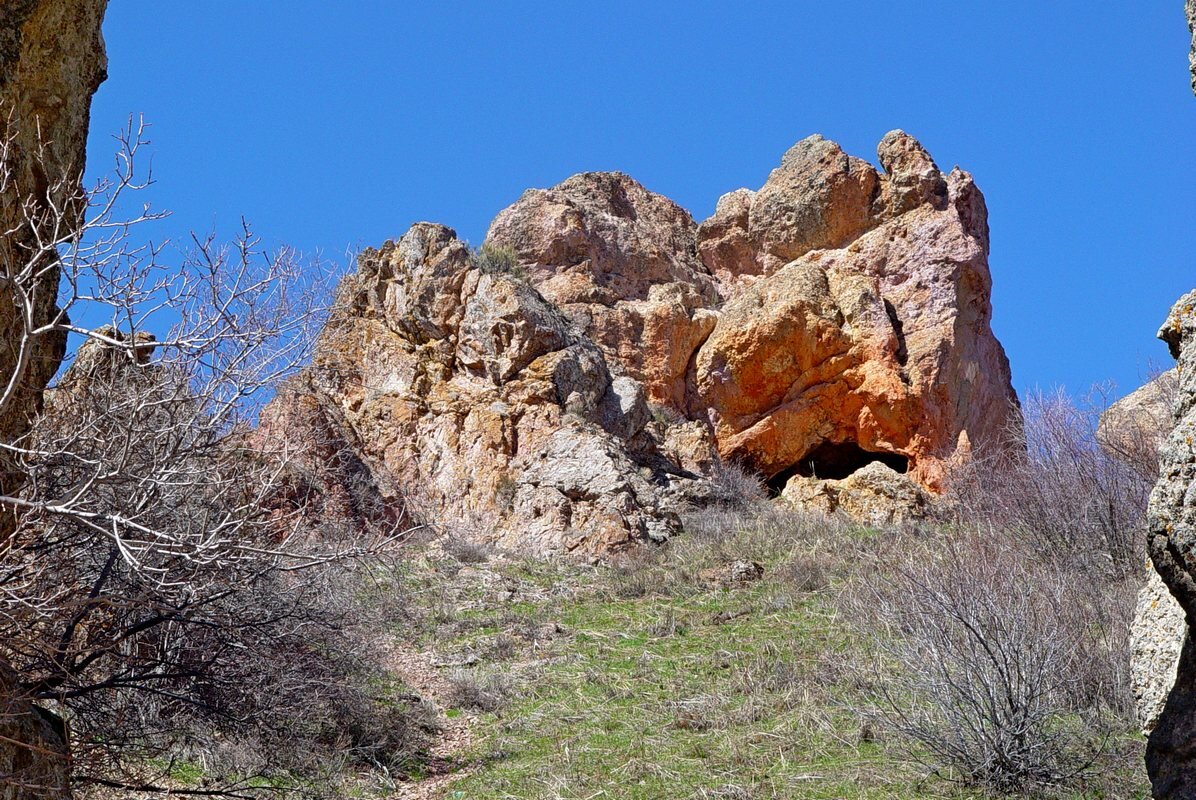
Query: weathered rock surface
{"type": "Point", "coordinates": [621, 262]}
{"type": "Point", "coordinates": [51, 62]}
{"type": "Point", "coordinates": [867, 326]}
{"type": "Point", "coordinates": [1171, 749]}
{"type": "Point", "coordinates": [485, 406]}
{"type": "Point", "coordinates": [874, 495]}
{"type": "Point", "coordinates": [855, 305]}
{"type": "Point", "coordinates": [834, 319]}
{"type": "Point", "coordinates": [1135, 427]}
{"type": "Point", "coordinates": [1132, 430]}
{"type": "Point", "coordinates": [1156, 639]}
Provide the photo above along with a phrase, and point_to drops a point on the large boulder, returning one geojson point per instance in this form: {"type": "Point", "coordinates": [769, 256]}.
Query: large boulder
{"type": "Point", "coordinates": [1156, 639]}
{"type": "Point", "coordinates": [1135, 427]}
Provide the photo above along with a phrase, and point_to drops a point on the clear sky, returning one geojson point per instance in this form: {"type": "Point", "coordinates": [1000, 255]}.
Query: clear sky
{"type": "Point", "coordinates": [336, 125]}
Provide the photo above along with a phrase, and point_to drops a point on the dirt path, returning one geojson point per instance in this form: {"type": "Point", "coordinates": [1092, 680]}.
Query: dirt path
{"type": "Point", "coordinates": [417, 670]}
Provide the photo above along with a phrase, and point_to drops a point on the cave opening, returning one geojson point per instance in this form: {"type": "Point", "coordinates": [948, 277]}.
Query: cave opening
{"type": "Point", "coordinates": [835, 461]}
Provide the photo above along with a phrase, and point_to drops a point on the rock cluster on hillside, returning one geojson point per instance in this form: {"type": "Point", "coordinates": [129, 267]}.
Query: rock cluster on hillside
{"type": "Point", "coordinates": [571, 386]}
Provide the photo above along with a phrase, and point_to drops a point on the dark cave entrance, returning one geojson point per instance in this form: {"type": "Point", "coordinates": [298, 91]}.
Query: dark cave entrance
{"type": "Point", "coordinates": [835, 461]}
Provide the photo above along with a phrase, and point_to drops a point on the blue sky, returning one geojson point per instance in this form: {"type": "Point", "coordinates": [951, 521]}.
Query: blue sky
{"type": "Point", "coordinates": [336, 125]}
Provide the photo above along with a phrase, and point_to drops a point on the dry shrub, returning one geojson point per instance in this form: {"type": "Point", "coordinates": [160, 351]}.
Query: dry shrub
{"type": "Point", "coordinates": [1067, 496]}
{"type": "Point", "coordinates": [488, 691]}
{"type": "Point", "coordinates": [995, 663]}
{"type": "Point", "coordinates": [736, 485]}
{"type": "Point", "coordinates": [1001, 636]}
{"type": "Point", "coordinates": [467, 551]}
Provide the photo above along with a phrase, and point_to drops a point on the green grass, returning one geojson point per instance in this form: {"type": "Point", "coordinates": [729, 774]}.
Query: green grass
{"type": "Point", "coordinates": [662, 685]}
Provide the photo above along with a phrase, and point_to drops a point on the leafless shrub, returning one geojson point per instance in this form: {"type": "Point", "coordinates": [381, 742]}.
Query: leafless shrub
{"type": "Point", "coordinates": [804, 573]}
{"type": "Point", "coordinates": [168, 586]}
{"type": "Point", "coordinates": [993, 661]}
{"type": "Point", "coordinates": [467, 551]}
{"type": "Point", "coordinates": [735, 485]}
{"type": "Point", "coordinates": [1066, 495]}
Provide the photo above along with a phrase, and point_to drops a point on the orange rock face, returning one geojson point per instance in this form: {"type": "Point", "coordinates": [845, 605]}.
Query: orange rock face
{"type": "Point", "coordinates": [854, 305]}
{"type": "Point", "coordinates": [876, 335]}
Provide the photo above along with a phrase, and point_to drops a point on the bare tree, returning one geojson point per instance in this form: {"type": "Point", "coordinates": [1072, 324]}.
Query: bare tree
{"type": "Point", "coordinates": [165, 581]}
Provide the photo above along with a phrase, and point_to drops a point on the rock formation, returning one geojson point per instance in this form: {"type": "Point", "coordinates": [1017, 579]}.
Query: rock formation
{"type": "Point", "coordinates": [1132, 430]}
{"type": "Point", "coordinates": [1171, 750]}
{"type": "Point", "coordinates": [51, 62]}
{"type": "Point", "coordinates": [1135, 427]}
{"type": "Point", "coordinates": [863, 332]}
{"type": "Point", "coordinates": [1156, 639]}
{"type": "Point", "coordinates": [1171, 543]}
{"type": "Point", "coordinates": [492, 414]}
{"type": "Point", "coordinates": [567, 387]}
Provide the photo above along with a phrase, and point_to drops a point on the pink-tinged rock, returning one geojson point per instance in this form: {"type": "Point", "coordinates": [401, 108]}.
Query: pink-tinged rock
{"type": "Point", "coordinates": [621, 262]}
{"type": "Point", "coordinates": [879, 340]}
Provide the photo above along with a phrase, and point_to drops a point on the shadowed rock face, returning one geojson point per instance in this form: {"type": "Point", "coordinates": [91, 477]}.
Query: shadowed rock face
{"type": "Point", "coordinates": [1171, 516]}
{"type": "Point", "coordinates": [51, 62]}
{"type": "Point", "coordinates": [1171, 750]}
{"type": "Point", "coordinates": [833, 321]}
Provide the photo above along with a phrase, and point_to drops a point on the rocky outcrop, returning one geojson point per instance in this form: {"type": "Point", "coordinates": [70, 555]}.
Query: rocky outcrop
{"type": "Point", "coordinates": [622, 264]}
{"type": "Point", "coordinates": [874, 495]}
{"type": "Point", "coordinates": [1156, 639]}
{"type": "Point", "coordinates": [51, 62]}
{"type": "Point", "coordinates": [487, 408]}
{"type": "Point", "coordinates": [1135, 427]}
{"type": "Point", "coordinates": [1171, 749]}
{"type": "Point", "coordinates": [853, 311]}
{"type": "Point", "coordinates": [564, 388]}
{"type": "Point", "coordinates": [1132, 430]}
{"type": "Point", "coordinates": [864, 332]}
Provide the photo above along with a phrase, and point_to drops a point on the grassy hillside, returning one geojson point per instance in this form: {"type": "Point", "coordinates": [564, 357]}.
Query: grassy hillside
{"type": "Point", "coordinates": [655, 679]}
